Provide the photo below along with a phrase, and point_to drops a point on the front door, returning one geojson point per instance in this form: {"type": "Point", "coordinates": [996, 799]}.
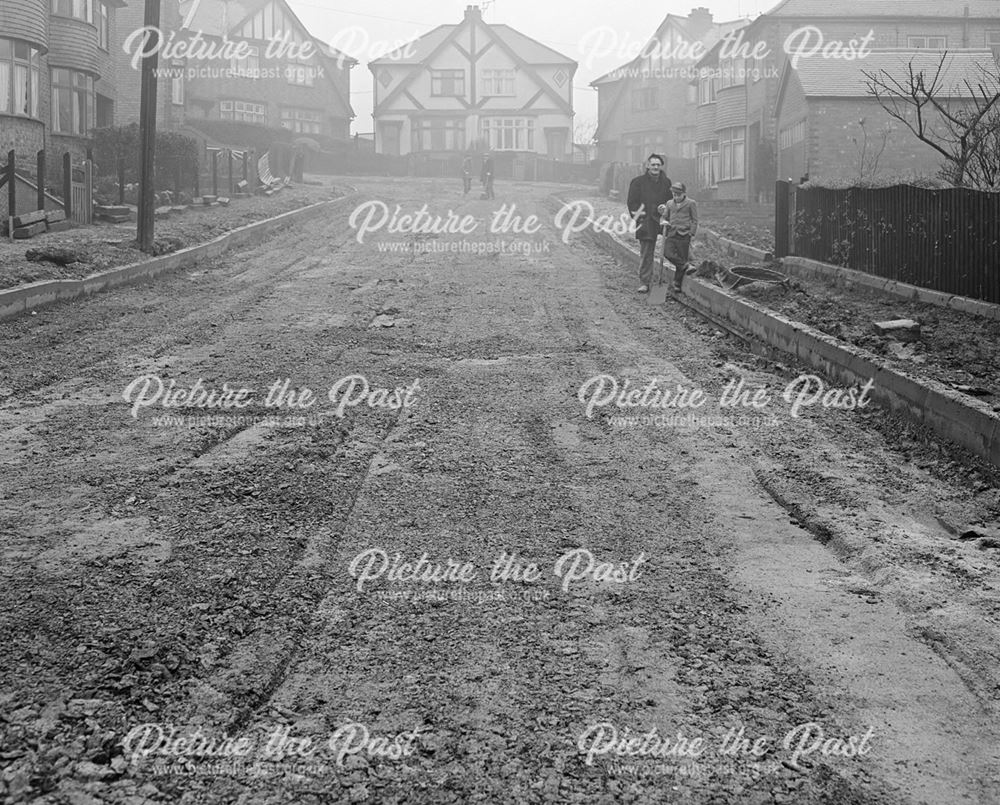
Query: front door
{"type": "Point", "coordinates": [556, 143]}
{"type": "Point", "coordinates": [391, 138]}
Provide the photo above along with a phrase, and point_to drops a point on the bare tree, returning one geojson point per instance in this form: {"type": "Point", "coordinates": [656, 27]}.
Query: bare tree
{"type": "Point", "coordinates": [870, 150]}
{"type": "Point", "coordinates": [584, 130]}
{"type": "Point", "coordinates": [957, 128]}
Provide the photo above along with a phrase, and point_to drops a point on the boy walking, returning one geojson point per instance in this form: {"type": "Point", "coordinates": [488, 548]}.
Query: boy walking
{"type": "Point", "coordinates": [680, 215]}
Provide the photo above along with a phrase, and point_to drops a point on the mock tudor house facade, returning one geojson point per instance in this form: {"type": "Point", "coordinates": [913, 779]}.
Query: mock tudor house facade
{"type": "Point", "coordinates": [288, 78]}
{"type": "Point", "coordinates": [831, 128]}
{"type": "Point", "coordinates": [649, 103]}
{"type": "Point", "coordinates": [474, 81]}
{"type": "Point", "coordinates": [736, 107]}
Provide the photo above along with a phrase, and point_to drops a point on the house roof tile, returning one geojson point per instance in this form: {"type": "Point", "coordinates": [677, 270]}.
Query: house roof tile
{"type": "Point", "coordinates": [880, 8]}
{"type": "Point", "coordinates": [531, 50]}
{"type": "Point", "coordinates": [840, 78]}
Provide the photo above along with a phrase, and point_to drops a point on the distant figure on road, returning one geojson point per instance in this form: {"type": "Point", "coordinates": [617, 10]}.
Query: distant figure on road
{"type": "Point", "coordinates": [681, 213]}
{"type": "Point", "coordinates": [467, 173]}
{"type": "Point", "coordinates": [646, 196]}
{"type": "Point", "coordinates": [486, 176]}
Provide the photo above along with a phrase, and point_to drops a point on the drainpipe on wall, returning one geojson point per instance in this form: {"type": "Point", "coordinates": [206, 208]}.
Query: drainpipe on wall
{"type": "Point", "coordinates": [965, 27]}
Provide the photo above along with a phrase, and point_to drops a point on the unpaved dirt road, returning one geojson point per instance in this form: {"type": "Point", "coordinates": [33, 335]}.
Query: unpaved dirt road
{"type": "Point", "coordinates": [208, 605]}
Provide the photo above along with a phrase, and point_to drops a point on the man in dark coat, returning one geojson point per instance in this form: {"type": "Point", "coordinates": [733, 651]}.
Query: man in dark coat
{"type": "Point", "coordinates": [645, 195]}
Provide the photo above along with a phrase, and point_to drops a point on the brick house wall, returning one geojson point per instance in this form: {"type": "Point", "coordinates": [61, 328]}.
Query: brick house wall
{"type": "Point", "coordinates": [793, 160]}
{"type": "Point", "coordinates": [833, 154]}
{"type": "Point", "coordinates": [761, 96]}
{"type": "Point", "coordinates": [128, 80]}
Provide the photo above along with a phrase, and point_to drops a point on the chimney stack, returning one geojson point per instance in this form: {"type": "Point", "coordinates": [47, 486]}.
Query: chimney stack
{"type": "Point", "coordinates": [473, 12]}
{"type": "Point", "coordinates": [699, 22]}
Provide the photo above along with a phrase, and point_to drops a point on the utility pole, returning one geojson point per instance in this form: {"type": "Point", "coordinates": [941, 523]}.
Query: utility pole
{"type": "Point", "coordinates": [147, 127]}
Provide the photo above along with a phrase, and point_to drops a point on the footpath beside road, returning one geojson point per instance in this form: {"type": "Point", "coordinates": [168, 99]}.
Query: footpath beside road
{"type": "Point", "coordinates": [911, 388]}
{"type": "Point", "coordinates": [102, 247]}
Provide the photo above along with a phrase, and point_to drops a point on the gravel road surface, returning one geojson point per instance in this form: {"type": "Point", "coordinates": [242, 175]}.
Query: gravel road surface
{"type": "Point", "coordinates": [448, 567]}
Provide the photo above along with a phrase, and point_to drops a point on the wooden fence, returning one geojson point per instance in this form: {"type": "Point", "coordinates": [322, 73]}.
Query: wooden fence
{"type": "Point", "coordinates": [77, 189]}
{"type": "Point", "coordinates": [946, 240]}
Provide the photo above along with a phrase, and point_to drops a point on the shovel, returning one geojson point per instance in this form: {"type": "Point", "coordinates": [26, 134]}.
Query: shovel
{"type": "Point", "coordinates": [658, 290]}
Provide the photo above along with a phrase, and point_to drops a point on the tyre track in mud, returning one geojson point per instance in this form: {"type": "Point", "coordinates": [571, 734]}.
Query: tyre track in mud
{"type": "Point", "coordinates": [257, 606]}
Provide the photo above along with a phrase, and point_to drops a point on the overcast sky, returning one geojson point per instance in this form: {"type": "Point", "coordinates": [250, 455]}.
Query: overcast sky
{"type": "Point", "coordinates": [560, 24]}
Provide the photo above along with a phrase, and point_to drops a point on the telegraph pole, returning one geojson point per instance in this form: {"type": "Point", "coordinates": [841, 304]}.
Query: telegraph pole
{"type": "Point", "coordinates": [147, 127]}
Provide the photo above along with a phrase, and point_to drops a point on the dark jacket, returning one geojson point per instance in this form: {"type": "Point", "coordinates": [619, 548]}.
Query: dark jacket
{"type": "Point", "coordinates": [649, 194]}
{"type": "Point", "coordinates": [487, 172]}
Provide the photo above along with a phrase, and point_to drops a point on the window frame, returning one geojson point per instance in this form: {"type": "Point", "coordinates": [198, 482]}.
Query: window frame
{"type": "Point", "coordinates": [240, 115]}
{"type": "Point", "coordinates": [645, 99]}
{"type": "Point", "coordinates": [508, 132]}
{"type": "Point", "coordinates": [425, 130]}
{"type": "Point", "coordinates": [102, 21]}
{"type": "Point", "coordinates": [300, 123]}
{"type": "Point", "coordinates": [489, 80]}
{"type": "Point", "coordinates": [732, 141]}
{"type": "Point", "coordinates": [437, 85]}
{"type": "Point", "coordinates": [708, 163]}
{"type": "Point", "coordinates": [241, 68]}
{"type": "Point", "coordinates": [78, 90]}
{"type": "Point", "coordinates": [926, 39]}
{"type": "Point", "coordinates": [30, 68]}
{"type": "Point", "coordinates": [68, 9]}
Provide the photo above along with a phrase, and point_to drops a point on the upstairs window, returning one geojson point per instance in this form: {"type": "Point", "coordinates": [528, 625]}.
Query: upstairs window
{"type": "Point", "coordinates": [497, 83]}
{"type": "Point", "coordinates": [102, 16]}
{"type": "Point", "coordinates": [248, 67]}
{"type": "Point", "coordinates": [708, 87]}
{"type": "Point", "coordinates": [448, 83]}
{"type": "Point", "coordinates": [78, 9]}
{"type": "Point", "coordinates": [644, 99]}
{"type": "Point", "coordinates": [932, 42]}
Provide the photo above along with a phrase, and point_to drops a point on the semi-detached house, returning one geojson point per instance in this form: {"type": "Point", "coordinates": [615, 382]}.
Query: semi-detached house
{"type": "Point", "coordinates": [474, 82]}
{"type": "Point", "coordinates": [737, 131]}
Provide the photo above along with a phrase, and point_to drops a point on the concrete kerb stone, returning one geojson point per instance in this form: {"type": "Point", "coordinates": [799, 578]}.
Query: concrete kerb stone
{"type": "Point", "coordinates": [965, 422]}
{"type": "Point", "coordinates": [36, 295]}
{"type": "Point", "coordinates": [734, 248]}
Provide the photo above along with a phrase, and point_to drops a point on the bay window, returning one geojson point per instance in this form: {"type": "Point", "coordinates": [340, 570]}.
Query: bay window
{"type": "Point", "coordinates": [302, 121]}
{"type": "Point", "coordinates": [243, 111]}
{"type": "Point", "coordinates": [20, 78]}
{"type": "Point", "coordinates": [732, 152]}
{"type": "Point", "coordinates": [438, 134]}
{"type": "Point", "coordinates": [72, 102]}
{"type": "Point", "coordinates": [708, 163]}
{"type": "Point", "coordinates": [78, 9]}
{"type": "Point", "coordinates": [509, 133]}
